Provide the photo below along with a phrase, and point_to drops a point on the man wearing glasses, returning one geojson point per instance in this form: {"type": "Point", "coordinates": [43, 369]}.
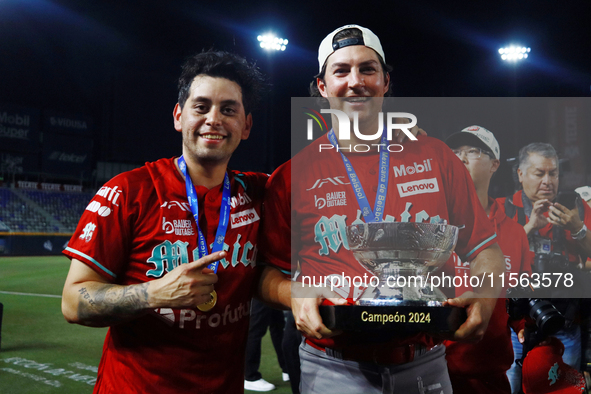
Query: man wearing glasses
{"type": "Point", "coordinates": [479, 151]}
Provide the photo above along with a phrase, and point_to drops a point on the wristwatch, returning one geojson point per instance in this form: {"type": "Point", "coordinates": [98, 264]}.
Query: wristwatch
{"type": "Point", "coordinates": [580, 234]}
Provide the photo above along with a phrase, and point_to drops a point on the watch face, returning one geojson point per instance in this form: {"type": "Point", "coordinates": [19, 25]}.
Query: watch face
{"type": "Point", "coordinates": [581, 234]}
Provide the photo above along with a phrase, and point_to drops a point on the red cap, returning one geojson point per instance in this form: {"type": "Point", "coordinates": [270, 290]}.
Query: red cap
{"type": "Point", "coordinates": [545, 372]}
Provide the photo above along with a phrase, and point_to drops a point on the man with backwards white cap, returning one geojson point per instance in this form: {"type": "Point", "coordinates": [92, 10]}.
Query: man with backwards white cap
{"type": "Point", "coordinates": [481, 367]}
{"type": "Point", "coordinates": [352, 67]}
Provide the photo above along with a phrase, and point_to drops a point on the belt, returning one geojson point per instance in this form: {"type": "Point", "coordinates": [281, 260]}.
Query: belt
{"type": "Point", "coordinates": [376, 354]}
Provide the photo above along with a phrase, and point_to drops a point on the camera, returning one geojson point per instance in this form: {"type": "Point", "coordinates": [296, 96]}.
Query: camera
{"type": "Point", "coordinates": [520, 304]}
{"type": "Point", "coordinates": [552, 262]}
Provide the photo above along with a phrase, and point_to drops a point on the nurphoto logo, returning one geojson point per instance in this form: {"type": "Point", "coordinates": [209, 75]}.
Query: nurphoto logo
{"type": "Point", "coordinates": [393, 122]}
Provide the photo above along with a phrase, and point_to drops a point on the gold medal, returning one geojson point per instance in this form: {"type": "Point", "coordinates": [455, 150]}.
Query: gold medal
{"type": "Point", "coordinates": [207, 306]}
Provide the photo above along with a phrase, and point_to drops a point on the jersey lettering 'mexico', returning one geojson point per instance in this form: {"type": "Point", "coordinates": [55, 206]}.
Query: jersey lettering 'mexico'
{"type": "Point", "coordinates": [168, 255]}
{"type": "Point", "coordinates": [331, 232]}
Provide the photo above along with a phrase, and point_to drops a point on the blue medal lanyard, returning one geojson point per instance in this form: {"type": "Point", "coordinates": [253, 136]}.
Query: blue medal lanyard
{"type": "Point", "coordinates": [378, 212]}
{"type": "Point", "coordinates": [218, 244]}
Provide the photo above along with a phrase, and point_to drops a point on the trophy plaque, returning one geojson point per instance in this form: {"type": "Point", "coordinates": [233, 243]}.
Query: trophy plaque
{"type": "Point", "coordinates": [401, 299]}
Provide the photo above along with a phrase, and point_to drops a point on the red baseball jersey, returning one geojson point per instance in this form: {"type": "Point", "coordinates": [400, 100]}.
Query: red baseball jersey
{"type": "Point", "coordinates": [137, 228]}
{"type": "Point", "coordinates": [426, 184]}
{"type": "Point", "coordinates": [494, 353]}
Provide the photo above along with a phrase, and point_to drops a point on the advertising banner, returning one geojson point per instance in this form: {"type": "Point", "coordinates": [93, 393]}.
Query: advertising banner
{"type": "Point", "coordinates": [66, 155]}
{"type": "Point", "coordinates": [19, 128]}
{"type": "Point", "coordinates": [56, 122]}
{"type": "Point", "coordinates": [18, 162]}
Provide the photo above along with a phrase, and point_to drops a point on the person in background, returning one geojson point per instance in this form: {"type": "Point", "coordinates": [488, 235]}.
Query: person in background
{"type": "Point", "coordinates": [261, 318]}
{"type": "Point", "coordinates": [557, 236]}
{"type": "Point", "coordinates": [481, 367]}
{"type": "Point", "coordinates": [291, 343]}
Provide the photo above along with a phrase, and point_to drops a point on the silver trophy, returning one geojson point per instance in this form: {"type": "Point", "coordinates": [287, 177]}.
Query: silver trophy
{"type": "Point", "coordinates": [402, 257]}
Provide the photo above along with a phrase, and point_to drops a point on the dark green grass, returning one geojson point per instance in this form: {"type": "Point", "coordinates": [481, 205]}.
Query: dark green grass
{"type": "Point", "coordinates": [40, 350]}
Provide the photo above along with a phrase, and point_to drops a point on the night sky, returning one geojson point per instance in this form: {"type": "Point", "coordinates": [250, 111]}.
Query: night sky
{"type": "Point", "coordinates": [117, 62]}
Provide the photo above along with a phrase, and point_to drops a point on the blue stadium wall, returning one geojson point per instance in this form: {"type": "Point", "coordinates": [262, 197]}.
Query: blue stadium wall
{"type": "Point", "coordinates": [32, 244]}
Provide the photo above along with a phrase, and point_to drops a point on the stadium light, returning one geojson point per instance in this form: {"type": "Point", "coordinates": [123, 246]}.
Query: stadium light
{"type": "Point", "coordinates": [514, 53]}
{"type": "Point", "coordinates": [271, 42]}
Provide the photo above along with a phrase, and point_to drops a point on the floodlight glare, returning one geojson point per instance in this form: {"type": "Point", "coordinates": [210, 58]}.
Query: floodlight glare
{"type": "Point", "coordinates": [270, 41]}
{"type": "Point", "coordinates": [514, 53]}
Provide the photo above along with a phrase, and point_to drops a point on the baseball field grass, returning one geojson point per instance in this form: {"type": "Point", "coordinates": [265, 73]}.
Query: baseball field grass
{"type": "Point", "coordinates": [40, 352]}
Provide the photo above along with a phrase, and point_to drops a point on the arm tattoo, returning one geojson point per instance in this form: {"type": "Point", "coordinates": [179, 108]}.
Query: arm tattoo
{"type": "Point", "coordinates": [111, 304]}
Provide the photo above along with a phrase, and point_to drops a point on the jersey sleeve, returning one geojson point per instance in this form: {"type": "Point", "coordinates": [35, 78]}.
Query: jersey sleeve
{"type": "Point", "coordinates": [102, 237]}
{"type": "Point", "coordinates": [465, 209]}
{"type": "Point", "coordinates": [276, 234]}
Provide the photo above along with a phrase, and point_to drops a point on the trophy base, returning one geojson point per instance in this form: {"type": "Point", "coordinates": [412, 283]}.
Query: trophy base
{"type": "Point", "coordinates": [401, 319]}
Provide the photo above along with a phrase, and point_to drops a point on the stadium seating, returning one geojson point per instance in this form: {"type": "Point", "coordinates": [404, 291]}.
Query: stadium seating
{"type": "Point", "coordinates": [41, 211]}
